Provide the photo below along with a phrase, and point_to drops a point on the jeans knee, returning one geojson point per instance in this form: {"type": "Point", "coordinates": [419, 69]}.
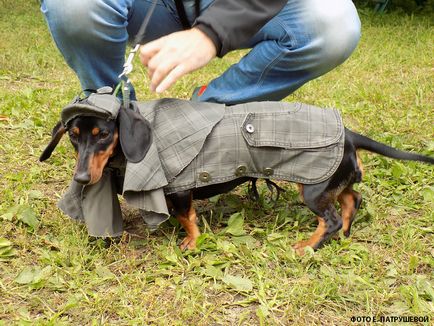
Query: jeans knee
{"type": "Point", "coordinates": [83, 20]}
{"type": "Point", "coordinates": [339, 29]}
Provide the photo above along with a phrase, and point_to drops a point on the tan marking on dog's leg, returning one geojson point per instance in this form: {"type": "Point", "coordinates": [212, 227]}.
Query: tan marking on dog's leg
{"type": "Point", "coordinates": [189, 223]}
{"type": "Point", "coordinates": [350, 201]}
{"type": "Point", "coordinates": [315, 238]}
{"type": "Point", "coordinates": [347, 202]}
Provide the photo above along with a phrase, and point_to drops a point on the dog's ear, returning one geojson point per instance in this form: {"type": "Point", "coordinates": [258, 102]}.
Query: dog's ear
{"type": "Point", "coordinates": [135, 135]}
{"type": "Point", "coordinates": [57, 133]}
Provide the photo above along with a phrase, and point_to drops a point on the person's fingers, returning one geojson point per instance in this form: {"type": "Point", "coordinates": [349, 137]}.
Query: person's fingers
{"type": "Point", "coordinates": [148, 51]}
{"type": "Point", "coordinates": [172, 77]}
{"type": "Point", "coordinates": [175, 55]}
{"type": "Point", "coordinates": [159, 67]}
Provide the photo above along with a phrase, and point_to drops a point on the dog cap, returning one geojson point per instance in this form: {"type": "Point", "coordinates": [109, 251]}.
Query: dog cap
{"type": "Point", "coordinates": [102, 104]}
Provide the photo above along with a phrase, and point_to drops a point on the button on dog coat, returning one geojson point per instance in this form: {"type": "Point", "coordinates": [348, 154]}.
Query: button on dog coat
{"type": "Point", "coordinates": [198, 144]}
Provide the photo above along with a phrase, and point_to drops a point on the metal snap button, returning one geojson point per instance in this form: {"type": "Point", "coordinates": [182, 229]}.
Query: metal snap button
{"type": "Point", "coordinates": [240, 170]}
{"type": "Point", "coordinates": [250, 128]}
{"type": "Point", "coordinates": [205, 176]}
{"type": "Point", "coordinates": [268, 171]}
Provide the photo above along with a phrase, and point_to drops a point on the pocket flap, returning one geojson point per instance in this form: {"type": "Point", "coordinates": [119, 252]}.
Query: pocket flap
{"type": "Point", "coordinates": [298, 126]}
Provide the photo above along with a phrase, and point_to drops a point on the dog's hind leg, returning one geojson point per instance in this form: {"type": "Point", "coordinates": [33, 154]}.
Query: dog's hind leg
{"type": "Point", "coordinates": [329, 224]}
{"type": "Point", "coordinates": [350, 201]}
{"type": "Point", "coordinates": [329, 221]}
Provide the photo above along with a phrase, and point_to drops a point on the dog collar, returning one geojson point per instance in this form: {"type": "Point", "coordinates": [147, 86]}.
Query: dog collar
{"type": "Point", "coordinates": [101, 104]}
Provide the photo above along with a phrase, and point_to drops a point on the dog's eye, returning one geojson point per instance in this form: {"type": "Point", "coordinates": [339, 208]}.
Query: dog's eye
{"type": "Point", "coordinates": [104, 134]}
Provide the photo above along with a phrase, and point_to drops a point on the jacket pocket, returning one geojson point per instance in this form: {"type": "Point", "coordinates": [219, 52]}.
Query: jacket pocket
{"type": "Point", "coordinates": [302, 127]}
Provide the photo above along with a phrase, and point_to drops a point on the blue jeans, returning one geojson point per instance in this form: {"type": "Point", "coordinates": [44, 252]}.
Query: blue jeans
{"type": "Point", "coordinates": [305, 40]}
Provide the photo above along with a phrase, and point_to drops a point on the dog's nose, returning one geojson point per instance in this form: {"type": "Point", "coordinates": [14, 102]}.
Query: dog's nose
{"type": "Point", "coordinates": [83, 178]}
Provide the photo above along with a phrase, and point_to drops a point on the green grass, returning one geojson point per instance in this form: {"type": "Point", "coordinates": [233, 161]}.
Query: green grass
{"type": "Point", "coordinates": [51, 274]}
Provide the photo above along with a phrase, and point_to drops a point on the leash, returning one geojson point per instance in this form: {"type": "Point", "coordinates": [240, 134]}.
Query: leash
{"type": "Point", "coordinates": [128, 65]}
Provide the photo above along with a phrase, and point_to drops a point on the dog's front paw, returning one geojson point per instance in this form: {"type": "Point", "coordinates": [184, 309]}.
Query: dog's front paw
{"type": "Point", "coordinates": [300, 246]}
{"type": "Point", "coordinates": [189, 242]}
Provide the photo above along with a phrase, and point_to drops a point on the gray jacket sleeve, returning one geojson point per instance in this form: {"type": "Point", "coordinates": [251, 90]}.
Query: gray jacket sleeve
{"type": "Point", "coordinates": [231, 23]}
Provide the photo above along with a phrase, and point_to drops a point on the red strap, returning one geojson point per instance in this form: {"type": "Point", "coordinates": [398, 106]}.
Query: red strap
{"type": "Point", "coordinates": [201, 90]}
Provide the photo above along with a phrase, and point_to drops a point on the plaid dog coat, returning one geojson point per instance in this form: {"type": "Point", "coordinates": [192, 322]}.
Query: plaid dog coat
{"type": "Point", "coordinates": [198, 144]}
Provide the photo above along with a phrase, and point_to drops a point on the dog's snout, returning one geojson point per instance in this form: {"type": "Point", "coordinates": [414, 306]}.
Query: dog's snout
{"type": "Point", "coordinates": [82, 178]}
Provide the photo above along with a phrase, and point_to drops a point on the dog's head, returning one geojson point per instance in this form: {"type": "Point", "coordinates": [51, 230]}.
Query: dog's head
{"type": "Point", "coordinates": [95, 126]}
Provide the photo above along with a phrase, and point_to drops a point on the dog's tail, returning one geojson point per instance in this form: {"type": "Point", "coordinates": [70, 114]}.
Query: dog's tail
{"type": "Point", "coordinates": [363, 142]}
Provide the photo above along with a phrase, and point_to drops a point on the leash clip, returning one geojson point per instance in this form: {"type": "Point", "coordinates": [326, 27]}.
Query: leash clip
{"type": "Point", "coordinates": [128, 68]}
{"type": "Point", "coordinates": [128, 65]}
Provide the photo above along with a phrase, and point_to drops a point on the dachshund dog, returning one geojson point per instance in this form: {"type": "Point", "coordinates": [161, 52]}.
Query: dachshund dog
{"type": "Point", "coordinates": [95, 140]}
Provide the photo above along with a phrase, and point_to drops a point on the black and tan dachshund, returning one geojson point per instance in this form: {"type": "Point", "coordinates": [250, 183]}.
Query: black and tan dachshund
{"type": "Point", "coordinates": [95, 140]}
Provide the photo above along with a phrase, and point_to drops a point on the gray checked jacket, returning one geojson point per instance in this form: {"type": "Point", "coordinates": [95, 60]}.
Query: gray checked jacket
{"type": "Point", "coordinates": [198, 144]}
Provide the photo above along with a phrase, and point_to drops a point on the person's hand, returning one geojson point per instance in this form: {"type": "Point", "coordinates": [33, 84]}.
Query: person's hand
{"type": "Point", "coordinates": [171, 57]}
